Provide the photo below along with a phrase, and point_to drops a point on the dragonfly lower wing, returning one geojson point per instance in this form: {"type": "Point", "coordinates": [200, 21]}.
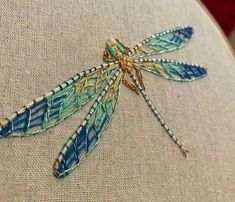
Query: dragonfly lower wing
{"type": "Point", "coordinates": [58, 104]}
{"type": "Point", "coordinates": [171, 69]}
{"type": "Point", "coordinates": [86, 137]}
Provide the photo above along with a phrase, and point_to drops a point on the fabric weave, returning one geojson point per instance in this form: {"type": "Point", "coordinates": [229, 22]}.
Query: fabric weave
{"type": "Point", "coordinates": [43, 43]}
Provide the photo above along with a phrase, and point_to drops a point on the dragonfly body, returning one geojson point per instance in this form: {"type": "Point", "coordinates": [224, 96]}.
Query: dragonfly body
{"type": "Point", "coordinates": [103, 83]}
{"type": "Point", "coordinates": [116, 51]}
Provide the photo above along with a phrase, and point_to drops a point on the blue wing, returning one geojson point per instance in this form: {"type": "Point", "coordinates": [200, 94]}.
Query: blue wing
{"type": "Point", "coordinates": [86, 137]}
{"type": "Point", "coordinates": [58, 104]}
{"type": "Point", "coordinates": [171, 69]}
{"type": "Point", "coordinates": [162, 42]}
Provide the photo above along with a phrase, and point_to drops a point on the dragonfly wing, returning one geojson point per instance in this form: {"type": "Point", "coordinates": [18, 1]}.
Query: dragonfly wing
{"type": "Point", "coordinates": [162, 42]}
{"type": "Point", "coordinates": [171, 69]}
{"type": "Point", "coordinates": [58, 104]}
{"type": "Point", "coordinates": [86, 137]}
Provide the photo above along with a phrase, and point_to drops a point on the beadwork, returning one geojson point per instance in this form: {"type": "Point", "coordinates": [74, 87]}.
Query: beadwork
{"type": "Point", "coordinates": [103, 82]}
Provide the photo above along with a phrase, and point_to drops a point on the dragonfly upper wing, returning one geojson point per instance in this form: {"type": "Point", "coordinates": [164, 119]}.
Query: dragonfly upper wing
{"type": "Point", "coordinates": [86, 137]}
{"type": "Point", "coordinates": [162, 42]}
{"type": "Point", "coordinates": [58, 104]}
{"type": "Point", "coordinates": [171, 69]}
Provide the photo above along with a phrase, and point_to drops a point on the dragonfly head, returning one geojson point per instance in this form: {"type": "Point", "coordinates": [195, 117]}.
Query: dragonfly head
{"type": "Point", "coordinates": [114, 50]}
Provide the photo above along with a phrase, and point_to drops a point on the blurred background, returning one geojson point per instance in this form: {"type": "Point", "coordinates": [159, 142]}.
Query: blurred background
{"type": "Point", "coordinates": [224, 13]}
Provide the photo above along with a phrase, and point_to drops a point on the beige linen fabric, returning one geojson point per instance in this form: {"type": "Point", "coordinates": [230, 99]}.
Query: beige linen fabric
{"type": "Point", "coordinates": [42, 43]}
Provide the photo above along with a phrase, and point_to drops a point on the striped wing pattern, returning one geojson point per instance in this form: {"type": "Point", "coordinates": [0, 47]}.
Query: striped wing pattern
{"type": "Point", "coordinates": [58, 104]}
{"type": "Point", "coordinates": [162, 42]}
{"type": "Point", "coordinates": [86, 137]}
{"type": "Point", "coordinates": [171, 69]}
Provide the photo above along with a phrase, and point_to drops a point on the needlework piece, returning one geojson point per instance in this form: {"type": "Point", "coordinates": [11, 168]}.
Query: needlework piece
{"type": "Point", "coordinates": [102, 85]}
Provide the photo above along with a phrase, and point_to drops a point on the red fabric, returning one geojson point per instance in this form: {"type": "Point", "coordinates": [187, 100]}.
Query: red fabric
{"type": "Point", "coordinates": [224, 13]}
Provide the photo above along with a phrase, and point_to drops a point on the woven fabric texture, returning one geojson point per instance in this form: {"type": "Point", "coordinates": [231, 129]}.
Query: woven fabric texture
{"type": "Point", "coordinates": [43, 43]}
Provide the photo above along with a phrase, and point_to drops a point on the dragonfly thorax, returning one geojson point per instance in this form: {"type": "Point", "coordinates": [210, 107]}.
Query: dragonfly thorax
{"type": "Point", "coordinates": [114, 50]}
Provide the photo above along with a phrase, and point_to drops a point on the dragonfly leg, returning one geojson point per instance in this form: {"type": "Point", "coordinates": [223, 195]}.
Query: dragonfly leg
{"type": "Point", "coordinates": [159, 117]}
{"type": "Point", "coordinates": [130, 86]}
{"type": "Point", "coordinates": [139, 76]}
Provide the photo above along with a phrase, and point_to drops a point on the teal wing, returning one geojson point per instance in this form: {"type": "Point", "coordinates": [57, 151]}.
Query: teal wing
{"type": "Point", "coordinates": [162, 42]}
{"type": "Point", "coordinates": [58, 104]}
{"type": "Point", "coordinates": [86, 137]}
{"type": "Point", "coordinates": [171, 69]}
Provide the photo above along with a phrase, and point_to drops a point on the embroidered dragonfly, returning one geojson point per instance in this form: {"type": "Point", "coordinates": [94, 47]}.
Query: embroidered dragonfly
{"type": "Point", "coordinates": [103, 82]}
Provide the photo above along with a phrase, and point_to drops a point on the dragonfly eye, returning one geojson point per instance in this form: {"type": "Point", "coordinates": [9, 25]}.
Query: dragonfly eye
{"type": "Point", "coordinates": [121, 48]}
{"type": "Point", "coordinates": [112, 51]}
